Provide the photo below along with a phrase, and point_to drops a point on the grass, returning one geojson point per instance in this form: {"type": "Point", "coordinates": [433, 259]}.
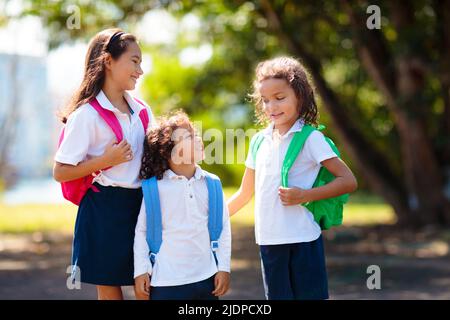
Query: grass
{"type": "Point", "coordinates": [28, 218]}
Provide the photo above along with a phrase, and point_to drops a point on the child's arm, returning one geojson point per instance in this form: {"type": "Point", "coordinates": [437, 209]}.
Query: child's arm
{"type": "Point", "coordinates": [345, 182]}
{"type": "Point", "coordinates": [223, 254]}
{"type": "Point", "coordinates": [244, 194]}
{"type": "Point", "coordinates": [114, 154]}
{"type": "Point", "coordinates": [142, 265]}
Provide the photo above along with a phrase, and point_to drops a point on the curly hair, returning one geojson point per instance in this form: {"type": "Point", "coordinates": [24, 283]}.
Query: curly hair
{"type": "Point", "coordinates": [297, 77]}
{"type": "Point", "coordinates": [159, 144]}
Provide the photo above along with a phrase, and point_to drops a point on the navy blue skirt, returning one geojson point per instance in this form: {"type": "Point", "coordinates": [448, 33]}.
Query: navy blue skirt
{"type": "Point", "coordinates": [104, 234]}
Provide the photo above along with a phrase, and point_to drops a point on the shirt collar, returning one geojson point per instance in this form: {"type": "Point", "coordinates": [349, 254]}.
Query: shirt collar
{"type": "Point", "coordinates": [199, 173]}
{"type": "Point", "coordinates": [106, 104]}
{"type": "Point", "coordinates": [297, 126]}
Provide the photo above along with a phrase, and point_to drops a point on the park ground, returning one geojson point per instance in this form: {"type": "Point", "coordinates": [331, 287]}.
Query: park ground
{"type": "Point", "coordinates": [35, 249]}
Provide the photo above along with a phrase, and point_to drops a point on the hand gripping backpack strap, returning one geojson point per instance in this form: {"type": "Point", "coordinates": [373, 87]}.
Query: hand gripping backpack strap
{"type": "Point", "coordinates": [296, 145]}
{"type": "Point", "coordinates": [326, 212]}
{"type": "Point", "coordinates": [215, 211]}
{"type": "Point", "coordinates": [75, 190]}
{"type": "Point", "coordinates": [153, 216]}
{"type": "Point", "coordinates": [111, 120]}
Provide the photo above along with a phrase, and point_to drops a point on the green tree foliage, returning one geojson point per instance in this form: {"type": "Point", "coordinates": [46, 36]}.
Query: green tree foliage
{"type": "Point", "coordinates": [384, 93]}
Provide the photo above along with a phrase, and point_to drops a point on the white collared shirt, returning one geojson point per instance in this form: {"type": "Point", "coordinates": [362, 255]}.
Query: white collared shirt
{"type": "Point", "coordinates": [275, 223]}
{"type": "Point", "coordinates": [185, 255]}
{"type": "Point", "coordinates": [86, 135]}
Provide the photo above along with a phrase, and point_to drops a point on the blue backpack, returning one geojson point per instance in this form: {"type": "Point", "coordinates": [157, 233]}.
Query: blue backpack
{"type": "Point", "coordinates": [153, 213]}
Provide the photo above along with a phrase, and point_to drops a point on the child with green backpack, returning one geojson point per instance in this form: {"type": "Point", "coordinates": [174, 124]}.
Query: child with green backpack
{"type": "Point", "coordinates": [299, 181]}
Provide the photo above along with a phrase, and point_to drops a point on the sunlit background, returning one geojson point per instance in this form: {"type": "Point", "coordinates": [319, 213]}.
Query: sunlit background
{"type": "Point", "coordinates": [200, 56]}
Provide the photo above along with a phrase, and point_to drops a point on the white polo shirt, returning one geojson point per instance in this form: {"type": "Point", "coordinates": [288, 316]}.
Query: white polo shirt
{"type": "Point", "coordinates": [275, 223]}
{"type": "Point", "coordinates": [185, 255]}
{"type": "Point", "coordinates": [86, 135]}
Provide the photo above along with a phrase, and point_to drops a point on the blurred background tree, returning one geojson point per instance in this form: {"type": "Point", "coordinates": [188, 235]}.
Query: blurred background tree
{"type": "Point", "coordinates": [384, 93]}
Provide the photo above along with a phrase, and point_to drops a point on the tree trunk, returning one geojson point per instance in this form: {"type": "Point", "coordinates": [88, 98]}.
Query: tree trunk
{"type": "Point", "coordinates": [401, 83]}
{"type": "Point", "coordinates": [423, 173]}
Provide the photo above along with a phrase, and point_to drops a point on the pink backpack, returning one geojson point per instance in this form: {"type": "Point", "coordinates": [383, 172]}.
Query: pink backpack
{"type": "Point", "coordinates": [75, 190]}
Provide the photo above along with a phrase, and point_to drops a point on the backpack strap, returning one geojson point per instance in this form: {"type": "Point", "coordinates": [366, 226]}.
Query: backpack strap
{"type": "Point", "coordinates": [143, 114]}
{"type": "Point", "coordinates": [106, 115]}
{"type": "Point", "coordinates": [255, 143]}
{"type": "Point", "coordinates": [215, 210]}
{"type": "Point", "coordinates": [154, 221]}
{"type": "Point", "coordinates": [296, 145]}
{"type": "Point", "coordinates": [109, 117]}
{"type": "Point", "coordinates": [111, 121]}
{"type": "Point", "coordinates": [153, 216]}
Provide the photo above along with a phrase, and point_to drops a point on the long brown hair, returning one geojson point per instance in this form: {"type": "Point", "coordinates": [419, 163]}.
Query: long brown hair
{"type": "Point", "coordinates": [160, 142]}
{"type": "Point", "coordinates": [297, 77]}
{"type": "Point", "coordinates": [112, 42]}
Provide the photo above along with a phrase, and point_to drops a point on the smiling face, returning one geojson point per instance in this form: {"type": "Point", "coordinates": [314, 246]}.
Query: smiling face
{"type": "Point", "coordinates": [188, 147]}
{"type": "Point", "coordinates": [279, 102]}
{"type": "Point", "coordinates": [126, 69]}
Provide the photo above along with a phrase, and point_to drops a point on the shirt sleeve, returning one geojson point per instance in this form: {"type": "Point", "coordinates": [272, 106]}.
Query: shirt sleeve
{"type": "Point", "coordinates": [77, 133]}
{"type": "Point", "coordinates": [142, 262]}
{"type": "Point", "coordinates": [223, 253]}
{"type": "Point", "coordinates": [317, 148]}
{"type": "Point", "coordinates": [250, 162]}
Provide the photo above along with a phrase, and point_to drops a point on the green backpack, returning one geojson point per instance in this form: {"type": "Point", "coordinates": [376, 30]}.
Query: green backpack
{"type": "Point", "coordinates": [326, 212]}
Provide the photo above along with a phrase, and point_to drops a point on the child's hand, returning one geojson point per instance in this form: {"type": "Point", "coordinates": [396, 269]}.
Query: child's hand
{"type": "Point", "coordinates": [292, 196]}
{"type": "Point", "coordinates": [117, 153]}
{"type": "Point", "coordinates": [142, 287]}
{"type": "Point", "coordinates": [221, 283]}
